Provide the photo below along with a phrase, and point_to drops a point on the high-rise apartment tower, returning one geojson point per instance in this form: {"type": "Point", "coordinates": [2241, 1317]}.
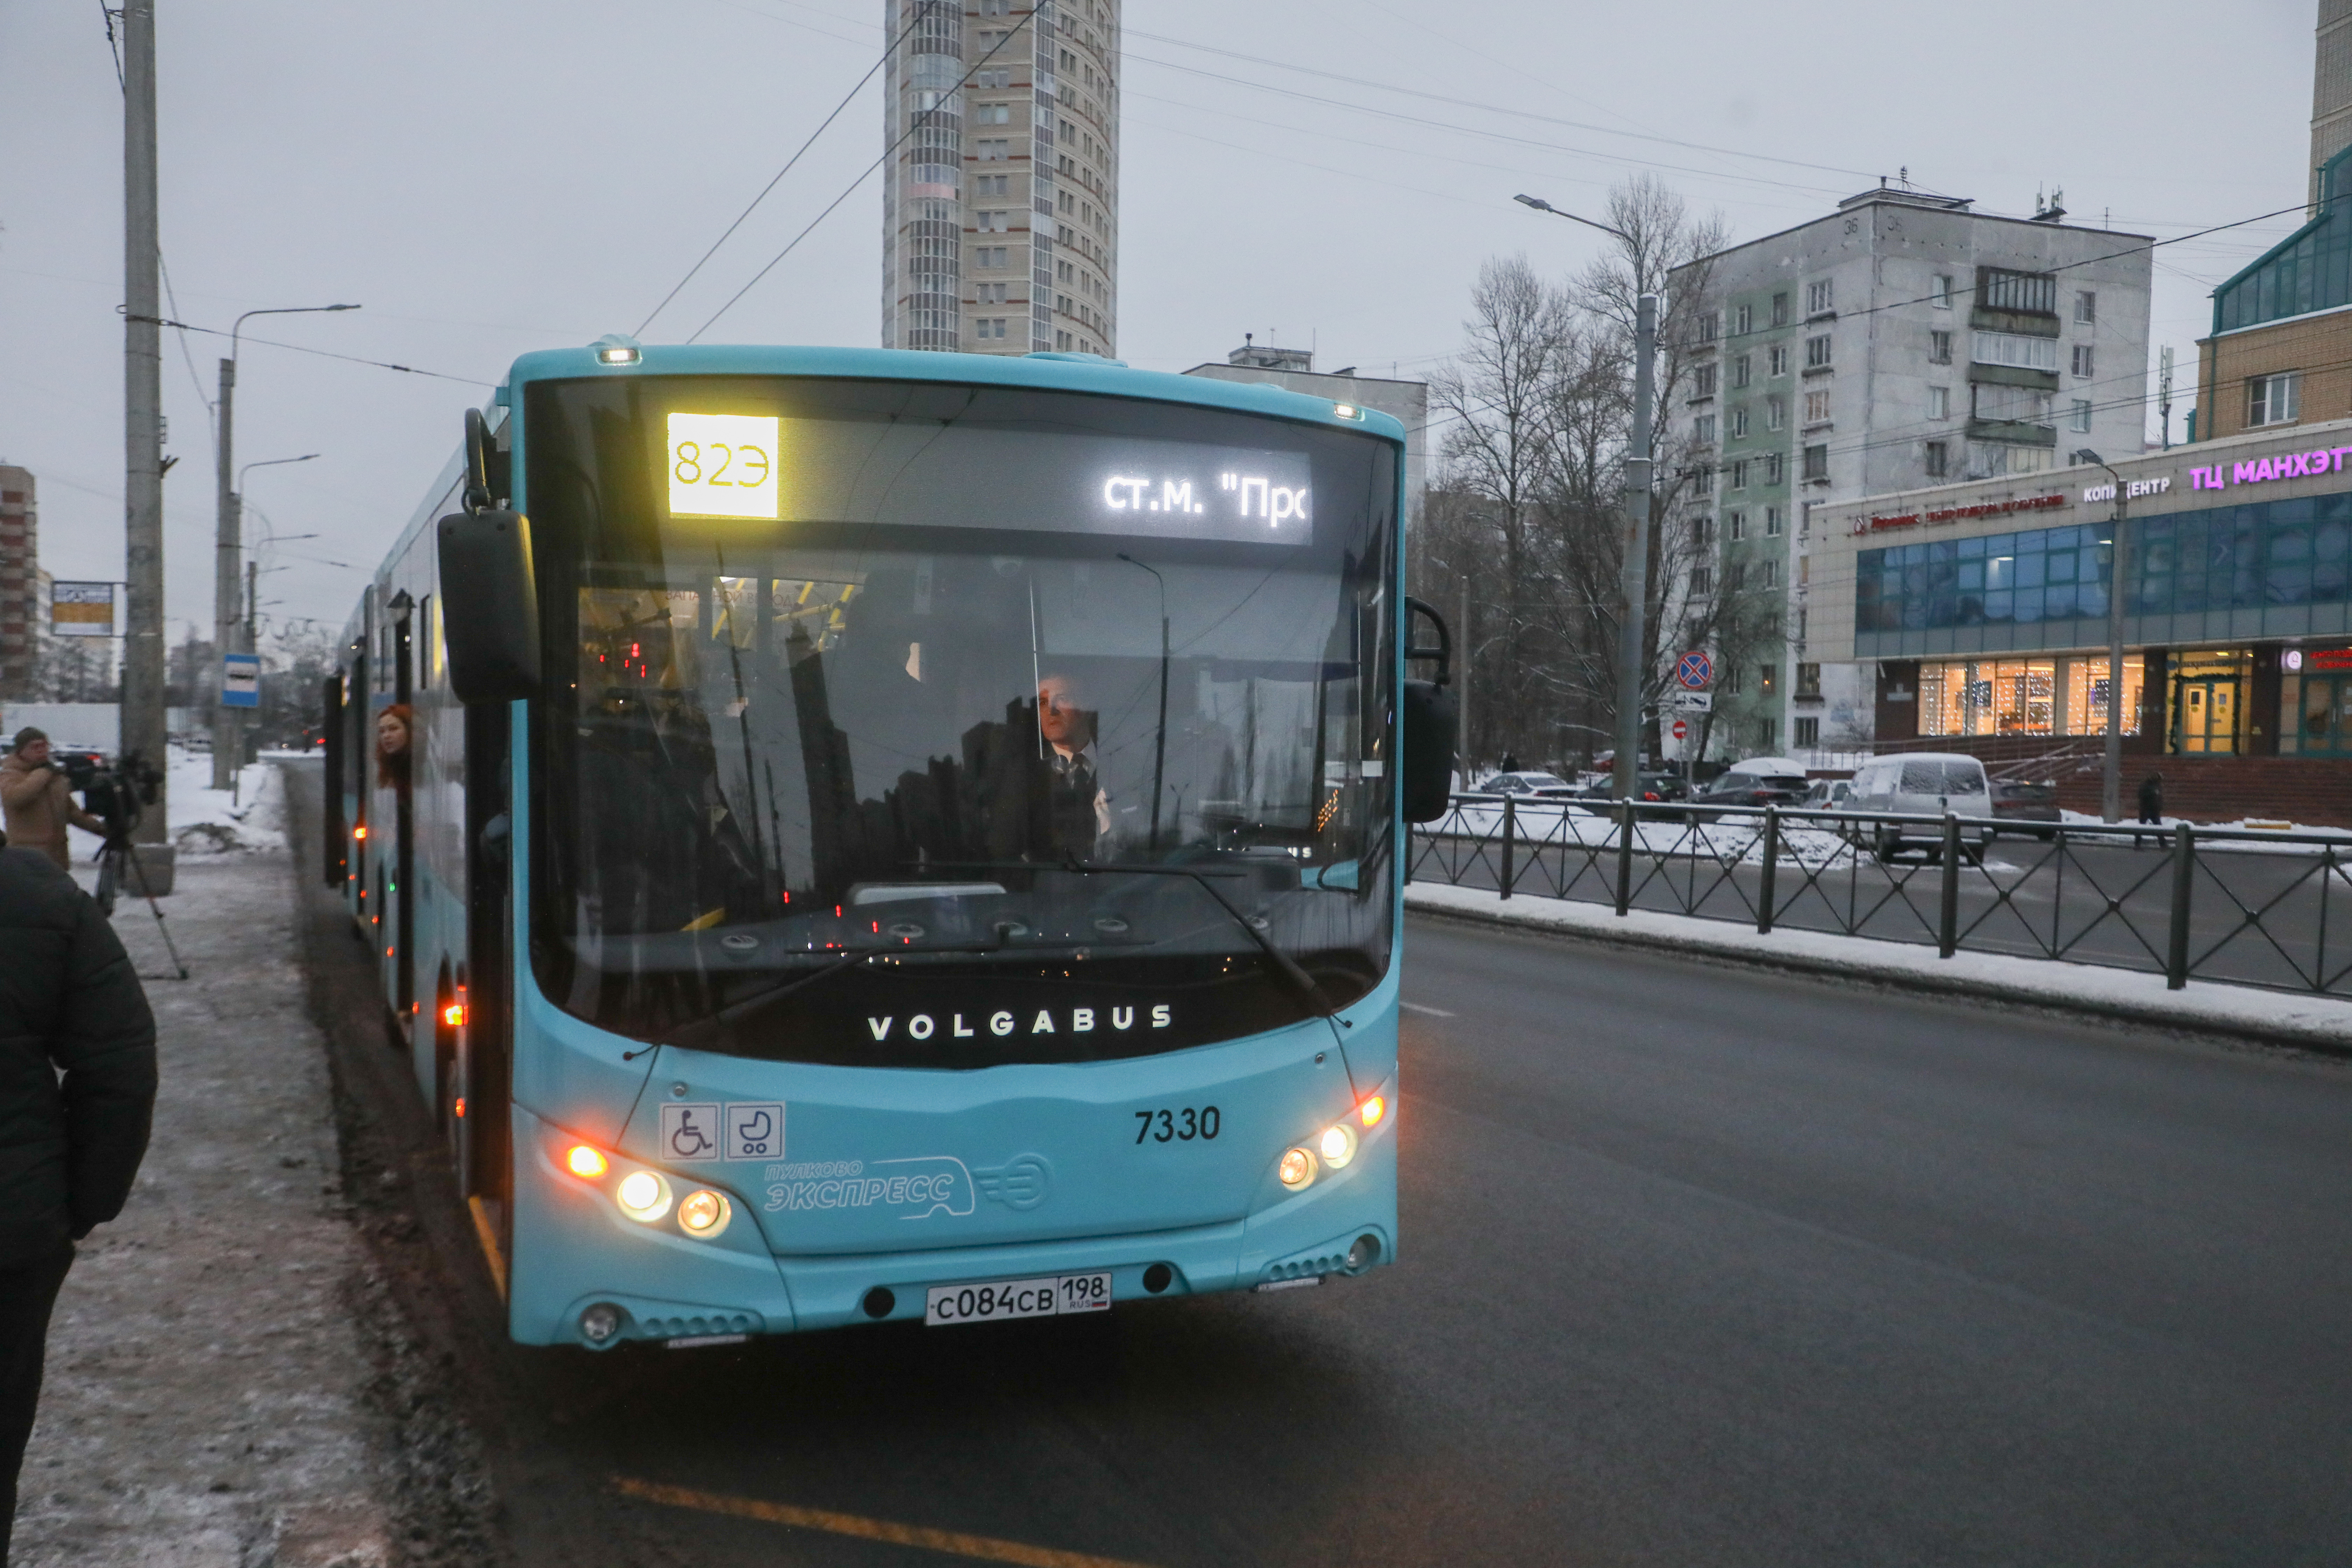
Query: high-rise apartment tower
{"type": "Point", "coordinates": [1001, 193]}
{"type": "Point", "coordinates": [21, 602]}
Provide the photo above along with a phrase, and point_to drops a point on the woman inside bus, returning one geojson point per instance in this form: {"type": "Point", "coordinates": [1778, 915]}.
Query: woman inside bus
{"type": "Point", "coordinates": [392, 729]}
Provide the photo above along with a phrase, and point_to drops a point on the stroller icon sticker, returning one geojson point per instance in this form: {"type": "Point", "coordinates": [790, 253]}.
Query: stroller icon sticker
{"type": "Point", "coordinates": [755, 1129]}
{"type": "Point", "coordinates": [690, 1131]}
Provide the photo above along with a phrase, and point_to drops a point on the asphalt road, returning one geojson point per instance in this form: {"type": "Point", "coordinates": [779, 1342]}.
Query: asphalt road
{"type": "Point", "coordinates": [1700, 1265]}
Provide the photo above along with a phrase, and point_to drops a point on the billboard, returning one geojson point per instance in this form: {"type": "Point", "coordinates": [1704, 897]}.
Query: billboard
{"type": "Point", "coordinates": [81, 609]}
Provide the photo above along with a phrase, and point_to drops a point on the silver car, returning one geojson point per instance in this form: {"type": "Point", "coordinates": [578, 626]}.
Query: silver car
{"type": "Point", "coordinates": [1921, 783]}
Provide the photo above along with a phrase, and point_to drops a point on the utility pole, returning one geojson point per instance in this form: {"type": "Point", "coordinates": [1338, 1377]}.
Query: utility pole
{"type": "Point", "coordinates": [2111, 779]}
{"type": "Point", "coordinates": [142, 418]}
{"type": "Point", "coordinates": [1636, 571]}
{"type": "Point", "coordinates": [1462, 684]}
{"type": "Point", "coordinates": [228, 545]}
{"type": "Point", "coordinates": [228, 535]}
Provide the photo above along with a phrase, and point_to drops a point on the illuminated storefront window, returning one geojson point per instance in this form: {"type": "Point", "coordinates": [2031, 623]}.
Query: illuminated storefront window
{"type": "Point", "coordinates": [2023, 697]}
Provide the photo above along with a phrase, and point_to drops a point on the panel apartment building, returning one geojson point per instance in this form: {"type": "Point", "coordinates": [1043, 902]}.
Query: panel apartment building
{"type": "Point", "coordinates": [1903, 340]}
{"type": "Point", "coordinates": [1001, 183]}
{"type": "Point", "coordinates": [21, 600]}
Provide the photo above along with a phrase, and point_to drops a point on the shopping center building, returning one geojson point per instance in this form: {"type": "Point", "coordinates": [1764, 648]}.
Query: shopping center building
{"type": "Point", "coordinates": [1980, 611]}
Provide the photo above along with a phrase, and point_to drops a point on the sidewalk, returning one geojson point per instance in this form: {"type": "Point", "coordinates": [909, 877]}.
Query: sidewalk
{"type": "Point", "coordinates": [208, 1363]}
{"type": "Point", "coordinates": [2312, 1023]}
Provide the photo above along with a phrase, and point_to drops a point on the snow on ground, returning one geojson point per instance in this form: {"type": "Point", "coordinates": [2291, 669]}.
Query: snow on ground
{"type": "Point", "coordinates": [208, 821]}
{"type": "Point", "coordinates": [1737, 839]}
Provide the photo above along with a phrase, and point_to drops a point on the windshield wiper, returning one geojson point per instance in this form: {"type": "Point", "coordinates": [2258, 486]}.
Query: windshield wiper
{"type": "Point", "coordinates": [1288, 968]}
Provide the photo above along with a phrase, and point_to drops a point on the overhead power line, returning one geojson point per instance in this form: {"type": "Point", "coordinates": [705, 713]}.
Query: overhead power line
{"type": "Point", "coordinates": [863, 174]}
{"type": "Point", "coordinates": [845, 98]}
{"type": "Point", "coordinates": [322, 353]}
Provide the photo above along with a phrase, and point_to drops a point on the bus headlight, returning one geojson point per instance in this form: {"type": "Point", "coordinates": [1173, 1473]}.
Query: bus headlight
{"type": "Point", "coordinates": [704, 1214]}
{"type": "Point", "coordinates": [1296, 1168]}
{"type": "Point", "coordinates": [643, 1196]}
{"type": "Point", "coordinates": [1337, 1146]}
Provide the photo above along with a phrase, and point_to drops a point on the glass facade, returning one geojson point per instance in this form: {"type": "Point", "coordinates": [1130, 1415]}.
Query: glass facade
{"type": "Point", "coordinates": [2311, 269]}
{"type": "Point", "coordinates": [2252, 556]}
{"type": "Point", "coordinates": [2043, 574]}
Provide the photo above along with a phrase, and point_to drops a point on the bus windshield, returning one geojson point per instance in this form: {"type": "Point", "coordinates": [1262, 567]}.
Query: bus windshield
{"type": "Point", "coordinates": [963, 726]}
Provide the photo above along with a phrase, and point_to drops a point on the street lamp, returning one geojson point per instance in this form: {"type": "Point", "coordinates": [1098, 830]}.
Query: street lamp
{"type": "Point", "coordinates": [227, 589]}
{"type": "Point", "coordinates": [1635, 572]}
{"type": "Point", "coordinates": [1542, 205]}
{"type": "Point", "coordinates": [2111, 780]}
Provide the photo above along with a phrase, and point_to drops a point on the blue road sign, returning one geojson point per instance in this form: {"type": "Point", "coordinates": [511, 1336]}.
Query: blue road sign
{"type": "Point", "coordinates": [1696, 670]}
{"type": "Point", "coordinates": [240, 681]}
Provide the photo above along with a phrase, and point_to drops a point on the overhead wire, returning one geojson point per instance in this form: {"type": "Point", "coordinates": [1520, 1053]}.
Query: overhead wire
{"type": "Point", "coordinates": [859, 87]}
{"type": "Point", "coordinates": [847, 190]}
{"type": "Point", "coordinates": [324, 354]}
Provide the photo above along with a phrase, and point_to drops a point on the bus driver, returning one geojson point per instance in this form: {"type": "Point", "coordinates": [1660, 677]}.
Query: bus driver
{"type": "Point", "coordinates": [1080, 807]}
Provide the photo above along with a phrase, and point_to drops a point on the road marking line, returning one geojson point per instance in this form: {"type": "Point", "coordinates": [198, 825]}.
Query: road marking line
{"type": "Point", "coordinates": [955, 1543]}
{"type": "Point", "coordinates": [1417, 1007]}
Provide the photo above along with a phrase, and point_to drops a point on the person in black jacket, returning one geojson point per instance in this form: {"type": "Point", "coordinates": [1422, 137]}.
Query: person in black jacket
{"type": "Point", "coordinates": [70, 1005]}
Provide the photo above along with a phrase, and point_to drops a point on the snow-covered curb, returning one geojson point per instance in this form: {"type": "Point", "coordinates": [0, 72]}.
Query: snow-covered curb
{"type": "Point", "coordinates": [2317, 1022]}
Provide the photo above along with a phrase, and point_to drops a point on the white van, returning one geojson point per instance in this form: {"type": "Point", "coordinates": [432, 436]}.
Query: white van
{"type": "Point", "coordinates": [1921, 783]}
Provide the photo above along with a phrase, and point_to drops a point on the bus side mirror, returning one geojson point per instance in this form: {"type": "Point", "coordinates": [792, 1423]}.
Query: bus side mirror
{"type": "Point", "coordinates": [1427, 715]}
{"type": "Point", "coordinates": [489, 605]}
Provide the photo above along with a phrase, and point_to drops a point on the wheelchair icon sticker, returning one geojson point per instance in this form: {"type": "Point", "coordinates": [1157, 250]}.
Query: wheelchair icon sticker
{"type": "Point", "coordinates": [690, 1131]}
{"type": "Point", "coordinates": [755, 1129]}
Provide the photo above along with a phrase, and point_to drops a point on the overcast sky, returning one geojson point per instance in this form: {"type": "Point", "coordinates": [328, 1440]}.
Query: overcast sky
{"type": "Point", "coordinates": [492, 176]}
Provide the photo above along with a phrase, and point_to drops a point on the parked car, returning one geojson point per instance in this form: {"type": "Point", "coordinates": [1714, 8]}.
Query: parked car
{"type": "Point", "coordinates": [1525, 783]}
{"type": "Point", "coordinates": [2033, 806]}
{"type": "Point", "coordinates": [1921, 783]}
{"type": "Point", "coordinates": [1654, 787]}
{"type": "Point", "coordinates": [1758, 781]}
{"type": "Point", "coordinates": [1828, 794]}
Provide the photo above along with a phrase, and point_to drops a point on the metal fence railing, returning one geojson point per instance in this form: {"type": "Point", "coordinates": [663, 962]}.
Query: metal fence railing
{"type": "Point", "coordinates": [2244, 907]}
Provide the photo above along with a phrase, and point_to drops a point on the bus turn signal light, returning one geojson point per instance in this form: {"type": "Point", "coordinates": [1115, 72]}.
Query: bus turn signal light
{"type": "Point", "coordinates": [454, 1015]}
{"type": "Point", "coordinates": [1372, 1111]}
{"type": "Point", "coordinates": [586, 1164]}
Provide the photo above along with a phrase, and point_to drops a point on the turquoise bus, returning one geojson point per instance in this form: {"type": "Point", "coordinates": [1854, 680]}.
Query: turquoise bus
{"type": "Point", "coordinates": [854, 835]}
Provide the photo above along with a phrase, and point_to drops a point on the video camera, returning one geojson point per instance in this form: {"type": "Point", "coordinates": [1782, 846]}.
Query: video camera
{"type": "Point", "coordinates": [116, 794]}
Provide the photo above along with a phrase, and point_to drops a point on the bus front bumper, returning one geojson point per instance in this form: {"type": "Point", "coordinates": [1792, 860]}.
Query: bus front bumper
{"type": "Point", "coordinates": [583, 1273]}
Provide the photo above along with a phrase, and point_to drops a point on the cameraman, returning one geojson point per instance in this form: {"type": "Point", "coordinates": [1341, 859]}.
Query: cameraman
{"type": "Point", "coordinates": [37, 801]}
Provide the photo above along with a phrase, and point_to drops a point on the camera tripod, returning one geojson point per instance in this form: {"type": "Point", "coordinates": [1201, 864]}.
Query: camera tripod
{"type": "Point", "coordinates": [116, 854]}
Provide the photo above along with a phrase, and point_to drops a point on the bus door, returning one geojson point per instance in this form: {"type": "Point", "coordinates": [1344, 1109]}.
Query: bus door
{"type": "Point", "coordinates": [485, 1073]}
{"type": "Point", "coordinates": [359, 748]}
{"type": "Point", "coordinates": [403, 898]}
{"type": "Point", "coordinates": [334, 864]}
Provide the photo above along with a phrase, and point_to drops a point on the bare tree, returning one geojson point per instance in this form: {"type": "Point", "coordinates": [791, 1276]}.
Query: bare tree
{"type": "Point", "coordinates": [1526, 513]}
{"type": "Point", "coordinates": [1499, 400]}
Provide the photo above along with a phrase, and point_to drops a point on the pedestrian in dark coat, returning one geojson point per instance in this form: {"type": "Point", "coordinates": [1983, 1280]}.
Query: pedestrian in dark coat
{"type": "Point", "coordinates": [76, 1093]}
{"type": "Point", "coordinates": [2151, 799]}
